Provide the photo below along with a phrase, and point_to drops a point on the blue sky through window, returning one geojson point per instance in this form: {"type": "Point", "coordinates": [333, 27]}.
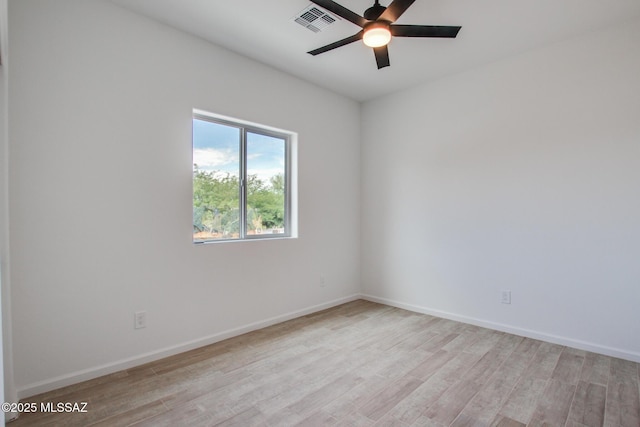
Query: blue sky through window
{"type": "Point", "coordinates": [216, 148]}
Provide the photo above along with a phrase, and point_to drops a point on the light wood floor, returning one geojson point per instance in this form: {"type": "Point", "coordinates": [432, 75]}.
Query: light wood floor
{"type": "Point", "coordinates": [362, 364]}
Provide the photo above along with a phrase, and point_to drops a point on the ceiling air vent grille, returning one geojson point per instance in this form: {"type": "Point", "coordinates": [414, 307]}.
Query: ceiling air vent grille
{"type": "Point", "coordinates": [314, 18]}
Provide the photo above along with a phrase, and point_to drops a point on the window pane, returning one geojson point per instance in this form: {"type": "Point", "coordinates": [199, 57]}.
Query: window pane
{"type": "Point", "coordinates": [265, 184]}
{"type": "Point", "coordinates": [216, 189]}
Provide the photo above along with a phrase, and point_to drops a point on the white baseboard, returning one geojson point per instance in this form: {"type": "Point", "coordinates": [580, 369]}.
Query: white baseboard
{"type": "Point", "coordinates": [569, 342]}
{"type": "Point", "coordinates": [98, 371]}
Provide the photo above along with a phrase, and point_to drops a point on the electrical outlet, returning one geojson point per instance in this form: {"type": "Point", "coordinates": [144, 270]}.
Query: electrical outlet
{"type": "Point", "coordinates": [322, 281]}
{"type": "Point", "coordinates": [140, 319]}
{"type": "Point", "coordinates": [506, 297]}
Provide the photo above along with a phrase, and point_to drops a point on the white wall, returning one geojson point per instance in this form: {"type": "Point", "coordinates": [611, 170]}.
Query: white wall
{"type": "Point", "coordinates": [100, 193]}
{"type": "Point", "coordinates": [521, 175]}
{"type": "Point", "coordinates": [4, 238]}
{"type": "Point", "coordinates": [5, 332]}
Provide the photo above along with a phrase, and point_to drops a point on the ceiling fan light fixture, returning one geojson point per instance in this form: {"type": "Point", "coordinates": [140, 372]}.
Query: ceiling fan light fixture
{"type": "Point", "coordinates": [377, 34]}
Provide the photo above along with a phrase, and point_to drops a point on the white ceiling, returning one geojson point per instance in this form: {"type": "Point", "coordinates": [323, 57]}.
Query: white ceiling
{"type": "Point", "coordinates": [491, 30]}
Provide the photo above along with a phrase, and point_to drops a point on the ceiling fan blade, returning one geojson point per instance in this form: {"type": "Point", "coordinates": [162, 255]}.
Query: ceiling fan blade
{"type": "Point", "coordinates": [382, 56]}
{"type": "Point", "coordinates": [424, 31]}
{"type": "Point", "coordinates": [323, 49]}
{"type": "Point", "coordinates": [395, 9]}
{"type": "Point", "coordinates": [341, 11]}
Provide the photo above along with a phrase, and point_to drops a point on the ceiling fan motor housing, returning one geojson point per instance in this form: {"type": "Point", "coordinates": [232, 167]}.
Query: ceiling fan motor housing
{"type": "Point", "coordinates": [374, 12]}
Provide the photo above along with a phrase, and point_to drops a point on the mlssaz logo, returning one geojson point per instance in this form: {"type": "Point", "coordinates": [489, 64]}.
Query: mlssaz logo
{"type": "Point", "coordinates": [63, 407]}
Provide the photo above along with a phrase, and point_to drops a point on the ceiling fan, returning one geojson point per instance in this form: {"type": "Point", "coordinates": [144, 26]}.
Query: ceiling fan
{"type": "Point", "coordinates": [378, 27]}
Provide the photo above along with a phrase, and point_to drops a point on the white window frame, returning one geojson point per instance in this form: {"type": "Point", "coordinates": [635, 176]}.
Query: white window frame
{"type": "Point", "coordinates": [290, 196]}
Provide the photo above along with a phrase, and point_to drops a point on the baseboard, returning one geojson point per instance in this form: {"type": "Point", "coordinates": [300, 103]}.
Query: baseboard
{"type": "Point", "coordinates": [555, 339]}
{"type": "Point", "coordinates": [98, 371]}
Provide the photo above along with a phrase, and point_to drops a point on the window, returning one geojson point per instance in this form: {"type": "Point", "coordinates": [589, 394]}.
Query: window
{"type": "Point", "coordinates": [241, 180]}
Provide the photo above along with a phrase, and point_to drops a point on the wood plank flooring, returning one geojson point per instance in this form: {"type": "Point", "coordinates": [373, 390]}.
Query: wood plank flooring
{"type": "Point", "coordinates": [362, 364]}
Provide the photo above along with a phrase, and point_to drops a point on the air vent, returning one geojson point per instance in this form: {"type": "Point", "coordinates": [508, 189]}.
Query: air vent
{"type": "Point", "coordinates": [314, 18]}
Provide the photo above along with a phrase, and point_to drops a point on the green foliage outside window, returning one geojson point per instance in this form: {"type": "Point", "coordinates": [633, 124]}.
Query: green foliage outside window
{"type": "Point", "coordinates": [216, 200]}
